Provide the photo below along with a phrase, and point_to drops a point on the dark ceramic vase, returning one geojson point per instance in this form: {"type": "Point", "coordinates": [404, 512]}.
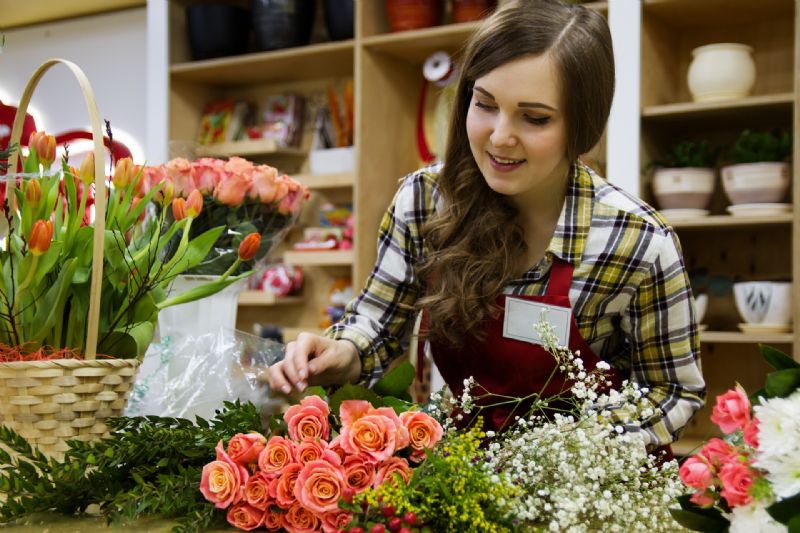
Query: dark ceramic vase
{"type": "Point", "coordinates": [339, 19]}
{"type": "Point", "coordinates": [282, 23]}
{"type": "Point", "coordinates": [217, 30]}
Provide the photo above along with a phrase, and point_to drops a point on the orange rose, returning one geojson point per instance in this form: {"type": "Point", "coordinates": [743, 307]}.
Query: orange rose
{"type": "Point", "coordinates": [222, 480]}
{"type": "Point", "coordinates": [282, 488]}
{"type": "Point", "coordinates": [242, 516]}
{"type": "Point", "coordinates": [336, 447]}
{"type": "Point", "coordinates": [388, 471]}
{"type": "Point", "coordinates": [273, 518]}
{"type": "Point", "coordinates": [256, 492]}
{"type": "Point", "coordinates": [308, 420]}
{"type": "Point", "coordinates": [359, 472]}
{"type": "Point", "coordinates": [300, 520]}
{"type": "Point", "coordinates": [376, 432]}
{"type": "Point", "coordinates": [276, 455]}
{"type": "Point", "coordinates": [319, 486]}
{"type": "Point", "coordinates": [335, 521]}
{"type": "Point", "coordinates": [423, 432]}
{"type": "Point", "coordinates": [245, 448]}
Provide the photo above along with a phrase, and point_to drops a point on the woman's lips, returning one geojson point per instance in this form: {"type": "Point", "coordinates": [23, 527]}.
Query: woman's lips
{"type": "Point", "coordinates": [503, 164]}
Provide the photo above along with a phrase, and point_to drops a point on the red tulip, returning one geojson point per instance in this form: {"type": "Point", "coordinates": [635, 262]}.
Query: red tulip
{"type": "Point", "coordinates": [249, 246]}
{"type": "Point", "coordinates": [40, 238]}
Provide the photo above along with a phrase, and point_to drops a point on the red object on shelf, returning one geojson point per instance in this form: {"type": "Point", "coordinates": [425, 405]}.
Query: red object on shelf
{"type": "Point", "coordinates": [120, 150]}
{"type": "Point", "coordinates": [471, 10]}
{"type": "Point", "coordinates": [413, 14]}
{"type": "Point", "coordinates": [7, 114]}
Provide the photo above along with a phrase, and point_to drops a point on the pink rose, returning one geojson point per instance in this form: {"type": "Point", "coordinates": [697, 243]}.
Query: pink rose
{"type": "Point", "coordinates": [378, 433]}
{"type": "Point", "coordinates": [222, 480]}
{"type": "Point", "coordinates": [394, 465]}
{"type": "Point", "coordinates": [352, 410]}
{"type": "Point", "coordinates": [152, 176]}
{"type": "Point", "coordinates": [336, 521]}
{"type": "Point", "coordinates": [239, 165]}
{"type": "Point", "coordinates": [231, 190]}
{"type": "Point", "coordinates": [423, 432]}
{"type": "Point", "coordinates": [273, 518]}
{"type": "Point", "coordinates": [244, 448]}
{"type": "Point", "coordinates": [207, 173]}
{"type": "Point", "coordinates": [319, 486]}
{"type": "Point", "coordinates": [282, 488]}
{"type": "Point", "coordinates": [732, 411]}
{"type": "Point", "coordinates": [242, 516]}
{"type": "Point", "coordinates": [276, 455]}
{"type": "Point", "coordinates": [751, 433]}
{"type": "Point", "coordinates": [314, 450]}
{"type": "Point", "coordinates": [718, 452]}
{"type": "Point", "coordinates": [696, 473]}
{"type": "Point", "coordinates": [736, 480]}
{"type": "Point", "coordinates": [298, 519]}
{"type": "Point", "coordinates": [256, 491]}
{"type": "Point", "coordinates": [336, 447]}
{"type": "Point", "coordinates": [263, 184]}
{"type": "Point", "coordinates": [308, 420]}
{"type": "Point", "coordinates": [359, 472]}
{"type": "Point", "coordinates": [179, 172]}
{"type": "Point", "coordinates": [296, 195]}
{"type": "Point", "coordinates": [702, 498]}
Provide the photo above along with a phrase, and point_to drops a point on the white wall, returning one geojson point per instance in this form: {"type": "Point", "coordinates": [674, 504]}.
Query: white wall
{"type": "Point", "coordinates": [111, 50]}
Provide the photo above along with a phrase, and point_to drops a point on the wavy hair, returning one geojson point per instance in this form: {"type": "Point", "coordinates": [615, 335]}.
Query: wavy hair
{"type": "Point", "coordinates": [474, 240]}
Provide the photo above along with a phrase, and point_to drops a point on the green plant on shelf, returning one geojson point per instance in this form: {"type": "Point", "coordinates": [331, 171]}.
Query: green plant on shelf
{"type": "Point", "coordinates": [759, 146]}
{"type": "Point", "coordinates": [696, 154]}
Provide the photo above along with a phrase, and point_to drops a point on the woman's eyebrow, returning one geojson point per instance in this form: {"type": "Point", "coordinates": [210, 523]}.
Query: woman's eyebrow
{"type": "Point", "coordinates": [489, 95]}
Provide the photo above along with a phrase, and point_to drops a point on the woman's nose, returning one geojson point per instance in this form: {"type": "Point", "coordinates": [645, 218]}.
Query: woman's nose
{"type": "Point", "coordinates": [503, 133]}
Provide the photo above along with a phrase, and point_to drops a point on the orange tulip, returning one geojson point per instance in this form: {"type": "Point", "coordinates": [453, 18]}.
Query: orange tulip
{"type": "Point", "coordinates": [87, 169]}
{"type": "Point", "coordinates": [33, 193]}
{"type": "Point", "coordinates": [45, 146]}
{"type": "Point", "coordinates": [178, 209]}
{"type": "Point", "coordinates": [123, 172]}
{"type": "Point", "coordinates": [249, 246]}
{"type": "Point", "coordinates": [194, 204]}
{"type": "Point", "coordinates": [41, 236]}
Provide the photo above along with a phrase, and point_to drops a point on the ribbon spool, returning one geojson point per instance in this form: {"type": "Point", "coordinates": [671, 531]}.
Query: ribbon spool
{"type": "Point", "coordinates": [440, 70]}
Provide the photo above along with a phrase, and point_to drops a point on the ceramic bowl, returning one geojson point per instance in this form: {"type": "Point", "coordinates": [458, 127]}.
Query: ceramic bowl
{"type": "Point", "coordinates": [700, 306]}
{"type": "Point", "coordinates": [683, 188]}
{"type": "Point", "coordinates": [764, 302]}
{"type": "Point", "coordinates": [751, 183]}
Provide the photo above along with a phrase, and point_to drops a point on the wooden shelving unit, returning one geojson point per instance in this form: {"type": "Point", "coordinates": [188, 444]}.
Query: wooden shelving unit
{"type": "Point", "coordinates": [17, 14]}
{"type": "Point", "coordinates": [248, 148]}
{"type": "Point", "coordinates": [733, 248]}
{"type": "Point", "coordinates": [267, 298]}
{"type": "Point", "coordinates": [326, 181]}
{"type": "Point", "coordinates": [322, 258]}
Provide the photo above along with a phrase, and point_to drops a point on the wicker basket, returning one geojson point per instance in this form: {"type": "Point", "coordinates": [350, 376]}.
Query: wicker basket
{"type": "Point", "coordinates": [49, 402]}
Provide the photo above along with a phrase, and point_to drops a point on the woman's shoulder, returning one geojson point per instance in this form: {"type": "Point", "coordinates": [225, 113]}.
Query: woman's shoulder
{"type": "Point", "coordinates": [420, 189]}
{"type": "Point", "coordinates": [612, 201]}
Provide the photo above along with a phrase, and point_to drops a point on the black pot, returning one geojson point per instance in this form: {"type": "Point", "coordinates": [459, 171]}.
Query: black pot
{"type": "Point", "coordinates": [282, 23]}
{"type": "Point", "coordinates": [339, 19]}
{"type": "Point", "coordinates": [217, 30]}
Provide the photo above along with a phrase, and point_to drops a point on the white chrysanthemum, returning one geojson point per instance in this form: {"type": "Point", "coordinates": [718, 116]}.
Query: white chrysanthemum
{"type": "Point", "coordinates": [751, 518]}
{"type": "Point", "coordinates": [783, 473]}
{"type": "Point", "coordinates": [778, 426]}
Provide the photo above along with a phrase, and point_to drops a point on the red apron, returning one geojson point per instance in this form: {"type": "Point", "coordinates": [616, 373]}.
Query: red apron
{"type": "Point", "coordinates": [513, 367]}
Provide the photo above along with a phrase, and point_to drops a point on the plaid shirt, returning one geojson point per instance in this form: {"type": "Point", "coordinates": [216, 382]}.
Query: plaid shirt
{"type": "Point", "coordinates": [630, 293]}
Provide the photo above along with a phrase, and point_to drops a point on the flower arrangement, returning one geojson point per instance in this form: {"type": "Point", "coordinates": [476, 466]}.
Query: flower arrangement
{"type": "Point", "coordinates": [237, 195]}
{"type": "Point", "coordinates": [750, 480]}
{"type": "Point", "coordinates": [46, 262]}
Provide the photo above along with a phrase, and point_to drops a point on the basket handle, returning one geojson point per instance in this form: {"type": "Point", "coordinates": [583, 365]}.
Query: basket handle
{"type": "Point", "coordinates": [93, 320]}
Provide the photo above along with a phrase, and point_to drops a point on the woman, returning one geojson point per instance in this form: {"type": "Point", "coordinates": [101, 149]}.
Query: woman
{"type": "Point", "coordinates": [513, 220]}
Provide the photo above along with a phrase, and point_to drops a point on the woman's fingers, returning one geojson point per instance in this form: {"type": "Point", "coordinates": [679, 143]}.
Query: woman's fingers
{"type": "Point", "coordinates": [277, 379]}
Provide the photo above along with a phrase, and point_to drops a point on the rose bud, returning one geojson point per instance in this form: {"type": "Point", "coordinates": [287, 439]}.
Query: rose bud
{"type": "Point", "coordinates": [249, 246]}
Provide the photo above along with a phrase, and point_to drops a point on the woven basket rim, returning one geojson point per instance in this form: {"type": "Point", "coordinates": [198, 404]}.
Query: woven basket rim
{"type": "Point", "coordinates": [72, 363]}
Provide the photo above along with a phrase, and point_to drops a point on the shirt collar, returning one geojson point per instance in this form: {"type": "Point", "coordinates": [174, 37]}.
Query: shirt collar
{"type": "Point", "coordinates": [572, 229]}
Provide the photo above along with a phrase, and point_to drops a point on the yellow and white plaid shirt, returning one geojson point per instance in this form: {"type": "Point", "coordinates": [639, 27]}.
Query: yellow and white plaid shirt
{"type": "Point", "coordinates": [630, 292]}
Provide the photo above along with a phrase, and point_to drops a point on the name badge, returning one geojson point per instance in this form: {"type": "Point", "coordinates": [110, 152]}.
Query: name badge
{"type": "Point", "coordinates": [522, 315]}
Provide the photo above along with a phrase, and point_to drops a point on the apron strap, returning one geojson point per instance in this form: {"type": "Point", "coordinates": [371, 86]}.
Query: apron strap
{"type": "Point", "coordinates": [560, 278]}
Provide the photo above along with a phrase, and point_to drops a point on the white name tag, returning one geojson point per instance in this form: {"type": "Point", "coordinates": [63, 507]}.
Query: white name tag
{"type": "Point", "coordinates": [522, 315]}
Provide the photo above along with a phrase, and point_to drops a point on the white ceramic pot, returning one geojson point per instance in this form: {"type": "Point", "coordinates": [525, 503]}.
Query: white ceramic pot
{"type": "Point", "coordinates": [751, 183]}
{"type": "Point", "coordinates": [700, 306]}
{"type": "Point", "coordinates": [683, 188]}
{"type": "Point", "coordinates": [722, 71]}
{"type": "Point", "coordinates": [764, 302]}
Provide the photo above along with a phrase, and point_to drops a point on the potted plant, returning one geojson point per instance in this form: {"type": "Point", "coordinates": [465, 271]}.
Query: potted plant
{"type": "Point", "coordinates": [685, 178]}
{"type": "Point", "coordinates": [759, 172]}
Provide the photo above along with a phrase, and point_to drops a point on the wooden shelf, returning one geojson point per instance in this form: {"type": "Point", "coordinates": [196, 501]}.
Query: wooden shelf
{"type": "Point", "coordinates": [16, 14]}
{"type": "Point", "coordinates": [315, 61]}
{"type": "Point", "coordinates": [713, 110]}
{"type": "Point", "coordinates": [326, 181]}
{"type": "Point", "coordinates": [266, 298]}
{"type": "Point", "coordinates": [325, 258]}
{"type": "Point", "coordinates": [415, 46]}
{"type": "Point", "coordinates": [728, 221]}
{"type": "Point", "coordinates": [246, 148]}
{"type": "Point", "coordinates": [290, 334]}
{"type": "Point", "coordinates": [694, 13]}
{"type": "Point", "coordinates": [738, 337]}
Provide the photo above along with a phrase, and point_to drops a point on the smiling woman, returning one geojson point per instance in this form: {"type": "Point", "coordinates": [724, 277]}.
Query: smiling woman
{"type": "Point", "coordinates": [513, 225]}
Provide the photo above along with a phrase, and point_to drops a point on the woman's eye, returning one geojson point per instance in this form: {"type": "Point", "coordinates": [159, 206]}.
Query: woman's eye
{"type": "Point", "coordinates": [481, 105]}
{"type": "Point", "coordinates": [538, 121]}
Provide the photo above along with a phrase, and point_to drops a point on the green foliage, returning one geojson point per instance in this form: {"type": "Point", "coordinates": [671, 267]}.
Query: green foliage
{"type": "Point", "coordinates": [696, 518]}
{"type": "Point", "coordinates": [758, 146]}
{"type": "Point", "coordinates": [787, 510]}
{"type": "Point", "coordinates": [690, 154]}
{"type": "Point", "coordinates": [146, 466]}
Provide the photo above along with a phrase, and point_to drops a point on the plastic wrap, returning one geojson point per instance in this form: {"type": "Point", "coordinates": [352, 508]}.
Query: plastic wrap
{"type": "Point", "coordinates": [186, 377]}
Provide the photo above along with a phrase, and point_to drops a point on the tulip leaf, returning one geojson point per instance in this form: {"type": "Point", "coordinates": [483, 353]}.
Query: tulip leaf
{"type": "Point", "coordinates": [782, 383]}
{"type": "Point", "coordinates": [53, 301]}
{"type": "Point", "coordinates": [46, 263]}
{"type": "Point", "coordinates": [395, 382]}
{"type": "Point", "coordinates": [197, 250]}
{"type": "Point", "coordinates": [127, 343]}
{"type": "Point", "coordinates": [785, 510]}
{"type": "Point", "coordinates": [202, 291]}
{"type": "Point", "coordinates": [776, 358]}
{"type": "Point", "coordinates": [352, 392]}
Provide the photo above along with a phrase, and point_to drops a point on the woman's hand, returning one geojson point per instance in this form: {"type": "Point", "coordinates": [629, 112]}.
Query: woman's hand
{"type": "Point", "coordinates": [314, 360]}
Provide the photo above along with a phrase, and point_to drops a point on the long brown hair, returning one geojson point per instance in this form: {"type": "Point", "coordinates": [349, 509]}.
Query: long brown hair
{"type": "Point", "coordinates": [474, 240]}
